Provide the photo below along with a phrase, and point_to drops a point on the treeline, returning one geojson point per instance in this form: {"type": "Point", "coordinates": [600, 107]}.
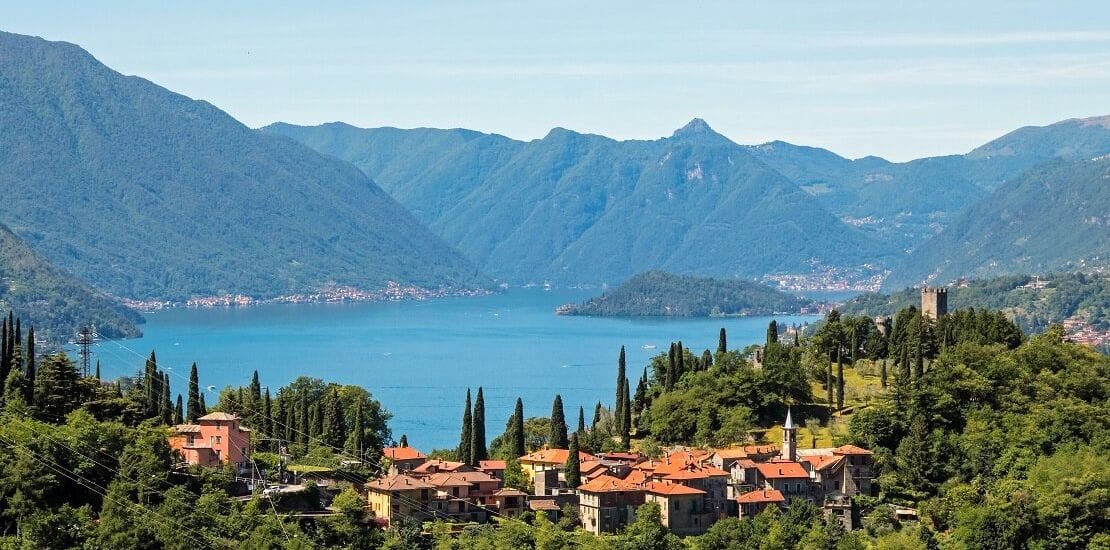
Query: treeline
{"type": "Point", "coordinates": [1064, 295]}
{"type": "Point", "coordinates": [658, 293]}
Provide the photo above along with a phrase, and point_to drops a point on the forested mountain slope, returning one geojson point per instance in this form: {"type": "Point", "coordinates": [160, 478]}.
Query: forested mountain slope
{"type": "Point", "coordinates": [149, 194]}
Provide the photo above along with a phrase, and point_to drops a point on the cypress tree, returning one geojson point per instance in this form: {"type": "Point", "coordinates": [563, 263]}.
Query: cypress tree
{"type": "Point", "coordinates": [404, 441]}
{"type": "Point", "coordinates": [31, 353]}
{"type": "Point", "coordinates": [882, 374]}
{"type": "Point", "coordinates": [772, 332]}
{"type": "Point", "coordinates": [679, 362]}
{"type": "Point", "coordinates": [668, 381]}
{"type": "Point", "coordinates": [98, 369]}
{"type": "Point", "coordinates": [203, 407]}
{"type": "Point", "coordinates": [304, 423]}
{"type": "Point", "coordinates": [597, 416]}
{"type": "Point", "coordinates": [321, 413]}
{"type": "Point", "coordinates": [335, 429]}
{"type": "Point", "coordinates": [626, 422]}
{"type": "Point", "coordinates": [167, 405]}
{"type": "Point", "coordinates": [797, 340]}
{"type": "Point", "coordinates": [722, 342]}
{"type": "Point", "coordinates": [478, 451]}
{"type": "Point", "coordinates": [253, 403]}
{"type": "Point", "coordinates": [572, 470]}
{"type": "Point", "coordinates": [179, 411]}
{"type": "Point", "coordinates": [517, 430]}
{"type": "Point", "coordinates": [639, 401]}
{"type": "Point", "coordinates": [581, 420]}
{"type": "Point", "coordinates": [290, 410]}
{"type": "Point", "coordinates": [466, 436]}
{"type": "Point", "coordinates": [621, 380]}
{"type": "Point", "coordinates": [267, 419]}
{"type": "Point", "coordinates": [706, 359]}
{"type": "Point", "coordinates": [150, 386]}
{"type": "Point", "coordinates": [558, 437]}
{"type": "Point", "coordinates": [17, 364]}
{"type": "Point", "coordinates": [357, 440]}
{"type": "Point", "coordinates": [193, 411]}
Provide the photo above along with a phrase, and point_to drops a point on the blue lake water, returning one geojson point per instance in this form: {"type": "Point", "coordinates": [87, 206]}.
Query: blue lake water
{"type": "Point", "coordinates": [418, 358]}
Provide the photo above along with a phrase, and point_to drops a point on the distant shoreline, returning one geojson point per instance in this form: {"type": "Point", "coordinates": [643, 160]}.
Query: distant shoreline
{"type": "Point", "coordinates": [393, 292]}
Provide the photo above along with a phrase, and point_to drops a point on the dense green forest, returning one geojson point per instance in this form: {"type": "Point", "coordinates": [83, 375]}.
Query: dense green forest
{"type": "Point", "coordinates": [58, 304]}
{"type": "Point", "coordinates": [658, 293]}
{"type": "Point", "coordinates": [997, 439]}
{"type": "Point", "coordinates": [148, 194]}
{"type": "Point", "coordinates": [1064, 295]}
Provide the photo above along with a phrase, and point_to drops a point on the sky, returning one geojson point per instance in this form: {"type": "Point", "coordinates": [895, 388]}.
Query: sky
{"type": "Point", "coordinates": [859, 78]}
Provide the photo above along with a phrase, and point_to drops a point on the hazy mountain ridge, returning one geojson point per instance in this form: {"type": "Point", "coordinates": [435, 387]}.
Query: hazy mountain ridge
{"type": "Point", "coordinates": [149, 194]}
{"type": "Point", "coordinates": [54, 302]}
{"type": "Point", "coordinates": [575, 208]}
{"type": "Point", "coordinates": [1056, 217]}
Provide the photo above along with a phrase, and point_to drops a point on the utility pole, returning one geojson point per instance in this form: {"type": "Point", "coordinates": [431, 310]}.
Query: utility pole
{"type": "Point", "coordinates": [85, 337]}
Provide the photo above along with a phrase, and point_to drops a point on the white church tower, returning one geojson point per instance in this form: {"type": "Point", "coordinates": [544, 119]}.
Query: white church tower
{"type": "Point", "coordinates": [789, 439]}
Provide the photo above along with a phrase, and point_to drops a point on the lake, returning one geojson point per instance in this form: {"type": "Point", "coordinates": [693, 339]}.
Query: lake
{"type": "Point", "coordinates": [418, 357]}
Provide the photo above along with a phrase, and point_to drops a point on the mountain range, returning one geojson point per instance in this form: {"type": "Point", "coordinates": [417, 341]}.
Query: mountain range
{"type": "Point", "coordinates": [579, 209]}
{"type": "Point", "coordinates": [148, 194]}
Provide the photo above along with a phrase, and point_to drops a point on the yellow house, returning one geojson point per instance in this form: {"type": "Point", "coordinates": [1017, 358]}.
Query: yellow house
{"type": "Point", "coordinates": [400, 496]}
{"type": "Point", "coordinates": [548, 459]}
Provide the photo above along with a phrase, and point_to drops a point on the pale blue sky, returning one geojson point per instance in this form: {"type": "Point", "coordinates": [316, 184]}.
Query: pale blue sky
{"type": "Point", "coordinates": [858, 78]}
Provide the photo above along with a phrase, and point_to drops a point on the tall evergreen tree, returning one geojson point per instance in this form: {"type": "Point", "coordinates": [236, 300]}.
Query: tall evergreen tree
{"type": "Point", "coordinates": [289, 412]}
{"type": "Point", "coordinates": [478, 451]}
{"type": "Point", "coordinates": [17, 364]}
{"type": "Point", "coordinates": [839, 382]}
{"type": "Point", "coordinates": [57, 391]}
{"type": "Point", "coordinates": [166, 409]}
{"type": "Point", "coordinates": [621, 380]}
{"type": "Point", "coordinates": [558, 437]}
{"type": "Point", "coordinates": [150, 387]}
{"type": "Point", "coordinates": [193, 412]}
{"type": "Point", "coordinates": [597, 416]}
{"type": "Point", "coordinates": [404, 441]}
{"type": "Point", "coordinates": [318, 417]}
{"type": "Point", "coordinates": [679, 362]}
{"type": "Point", "coordinates": [706, 359]}
{"type": "Point", "coordinates": [356, 442]}
{"type": "Point", "coordinates": [517, 430]}
{"type": "Point", "coordinates": [179, 411]}
{"type": "Point", "coordinates": [335, 429]}
{"type": "Point", "coordinates": [772, 332]}
{"type": "Point", "coordinates": [98, 369]}
{"type": "Point", "coordinates": [669, 379]}
{"type": "Point", "coordinates": [203, 406]}
{"type": "Point", "coordinates": [722, 342]}
{"type": "Point", "coordinates": [639, 400]}
{"type": "Point", "coordinates": [572, 470]}
{"type": "Point", "coordinates": [626, 421]}
{"type": "Point", "coordinates": [581, 419]}
{"type": "Point", "coordinates": [253, 403]}
{"type": "Point", "coordinates": [466, 435]}
{"type": "Point", "coordinates": [304, 422]}
{"type": "Point", "coordinates": [267, 418]}
{"type": "Point", "coordinates": [30, 350]}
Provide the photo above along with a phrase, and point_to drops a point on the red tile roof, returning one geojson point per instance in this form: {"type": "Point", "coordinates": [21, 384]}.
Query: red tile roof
{"type": "Point", "coordinates": [782, 470]}
{"type": "Point", "coordinates": [432, 466]}
{"type": "Point", "coordinates": [761, 495]}
{"type": "Point", "coordinates": [672, 489]}
{"type": "Point", "coordinates": [695, 471]}
{"type": "Point", "coordinates": [821, 462]}
{"type": "Point", "coordinates": [544, 504]}
{"type": "Point", "coordinates": [491, 464]}
{"type": "Point", "coordinates": [553, 456]}
{"type": "Point", "coordinates": [729, 454]}
{"type": "Point", "coordinates": [851, 450]}
{"type": "Point", "coordinates": [402, 453]}
{"type": "Point", "coordinates": [607, 484]}
{"type": "Point", "coordinates": [636, 477]}
{"type": "Point", "coordinates": [398, 482]}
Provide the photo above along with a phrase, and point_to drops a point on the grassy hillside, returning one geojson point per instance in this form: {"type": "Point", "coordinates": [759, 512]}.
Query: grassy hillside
{"type": "Point", "coordinates": [53, 301]}
{"type": "Point", "coordinates": [1053, 218]}
{"type": "Point", "coordinates": [584, 209]}
{"type": "Point", "coordinates": [656, 293]}
{"type": "Point", "coordinates": [149, 194]}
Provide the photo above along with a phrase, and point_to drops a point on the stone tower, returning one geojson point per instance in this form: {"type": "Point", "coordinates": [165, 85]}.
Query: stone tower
{"type": "Point", "coordinates": [789, 439]}
{"type": "Point", "coordinates": [934, 302]}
